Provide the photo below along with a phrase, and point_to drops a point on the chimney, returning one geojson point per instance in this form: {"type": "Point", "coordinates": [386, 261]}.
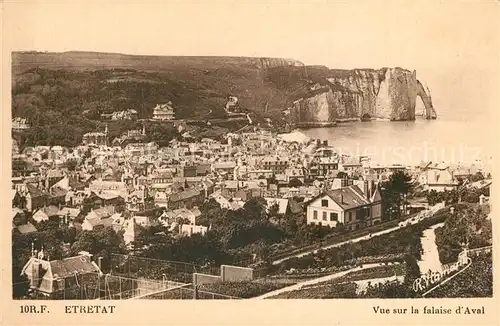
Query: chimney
{"type": "Point", "coordinates": [99, 263]}
{"type": "Point", "coordinates": [366, 189]}
{"type": "Point", "coordinates": [325, 143]}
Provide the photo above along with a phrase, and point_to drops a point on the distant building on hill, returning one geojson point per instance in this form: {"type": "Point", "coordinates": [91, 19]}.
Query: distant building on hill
{"type": "Point", "coordinates": [96, 138]}
{"type": "Point", "coordinates": [164, 112]}
{"type": "Point", "coordinates": [129, 114]}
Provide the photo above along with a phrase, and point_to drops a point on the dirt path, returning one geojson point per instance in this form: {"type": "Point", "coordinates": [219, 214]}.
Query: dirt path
{"type": "Point", "coordinates": [430, 256]}
{"type": "Point", "coordinates": [322, 279]}
{"type": "Point", "coordinates": [410, 220]}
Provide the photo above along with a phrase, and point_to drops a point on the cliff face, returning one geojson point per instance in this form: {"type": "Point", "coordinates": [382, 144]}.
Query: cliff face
{"type": "Point", "coordinates": [353, 94]}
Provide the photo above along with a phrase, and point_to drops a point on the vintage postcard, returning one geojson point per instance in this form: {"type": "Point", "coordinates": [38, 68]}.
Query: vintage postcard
{"type": "Point", "coordinates": [339, 154]}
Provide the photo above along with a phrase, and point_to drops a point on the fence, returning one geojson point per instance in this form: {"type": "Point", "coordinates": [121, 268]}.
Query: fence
{"type": "Point", "coordinates": [137, 267]}
{"type": "Point", "coordinates": [337, 238]}
{"type": "Point", "coordinates": [78, 287]}
{"type": "Point", "coordinates": [187, 293]}
{"type": "Point", "coordinates": [480, 250]}
{"type": "Point", "coordinates": [92, 286]}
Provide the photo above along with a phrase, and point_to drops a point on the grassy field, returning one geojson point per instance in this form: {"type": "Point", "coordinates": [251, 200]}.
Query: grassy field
{"type": "Point", "coordinates": [475, 282]}
{"type": "Point", "coordinates": [195, 85]}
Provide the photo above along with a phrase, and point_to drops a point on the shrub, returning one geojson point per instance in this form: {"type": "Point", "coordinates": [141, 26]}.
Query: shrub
{"type": "Point", "coordinates": [475, 282]}
{"type": "Point", "coordinates": [243, 289]}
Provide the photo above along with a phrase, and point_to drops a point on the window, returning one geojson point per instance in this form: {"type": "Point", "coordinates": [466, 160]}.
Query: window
{"type": "Point", "coordinates": [315, 215]}
{"type": "Point", "coordinates": [350, 216]}
{"type": "Point", "coordinates": [324, 216]}
{"type": "Point", "coordinates": [324, 203]}
{"type": "Point", "coordinates": [334, 217]}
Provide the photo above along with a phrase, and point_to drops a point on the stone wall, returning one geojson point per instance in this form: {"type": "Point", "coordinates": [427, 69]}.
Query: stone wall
{"type": "Point", "coordinates": [199, 278]}
{"type": "Point", "coordinates": [235, 273]}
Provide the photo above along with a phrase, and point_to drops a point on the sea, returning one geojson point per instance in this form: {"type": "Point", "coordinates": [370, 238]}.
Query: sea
{"type": "Point", "coordinates": [454, 138]}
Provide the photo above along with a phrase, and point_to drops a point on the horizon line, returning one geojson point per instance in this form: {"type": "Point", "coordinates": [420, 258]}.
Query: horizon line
{"type": "Point", "coordinates": [202, 56]}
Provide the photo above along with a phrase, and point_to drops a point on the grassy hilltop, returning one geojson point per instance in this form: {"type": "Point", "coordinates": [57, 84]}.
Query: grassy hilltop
{"type": "Point", "coordinates": [106, 81]}
{"type": "Point", "coordinates": [63, 94]}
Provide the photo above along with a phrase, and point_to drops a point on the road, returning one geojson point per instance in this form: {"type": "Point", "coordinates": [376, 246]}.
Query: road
{"type": "Point", "coordinates": [402, 224]}
{"type": "Point", "coordinates": [322, 279]}
{"type": "Point", "coordinates": [430, 256]}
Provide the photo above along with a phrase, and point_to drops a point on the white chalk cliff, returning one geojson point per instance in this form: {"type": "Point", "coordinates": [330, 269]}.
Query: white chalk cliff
{"type": "Point", "coordinates": [388, 93]}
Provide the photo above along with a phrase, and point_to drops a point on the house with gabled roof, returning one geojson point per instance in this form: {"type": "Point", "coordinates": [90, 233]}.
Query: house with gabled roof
{"type": "Point", "coordinates": [26, 228]}
{"type": "Point", "coordinates": [439, 178]}
{"type": "Point", "coordinates": [350, 206]}
{"type": "Point", "coordinates": [136, 201]}
{"type": "Point", "coordinates": [98, 218]}
{"type": "Point", "coordinates": [46, 213]}
{"type": "Point", "coordinates": [187, 198]}
{"type": "Point", "coordinates": [68, 214]}
{"type": "Point", "coordinates": [282, 204]}
{"type": "Point", "coordinates": [35, 197]}
{"type": "Point", "coordinates": [59, 279]}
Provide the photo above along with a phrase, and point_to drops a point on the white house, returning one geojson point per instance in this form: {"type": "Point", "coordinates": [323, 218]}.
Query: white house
{"type": "Point", "coordinates": [190, 229]}
{"type": "Point", "coordinates": [349, 205]}
{"type": "Point", "coordinates": [281, 202]}
{"type": "Point", "coordinates": [438, 179]}
{"type": "Point", "coordinates": [45, 213]}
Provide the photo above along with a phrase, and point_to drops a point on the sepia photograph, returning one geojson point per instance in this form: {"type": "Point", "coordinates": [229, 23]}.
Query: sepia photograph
{"type": "Point", "coordinates": [306, 151]}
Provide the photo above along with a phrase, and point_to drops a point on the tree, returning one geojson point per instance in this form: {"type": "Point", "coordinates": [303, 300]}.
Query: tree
{"type": "Point", "coordinates": [432, 197]}
{"type": "Point", "coordinates": [295, 183]}
{"type": "Point", "coordinates": [477, 177]}
{"type": "Point", "coordinates": [101, 243]}
{"type": "Point", "coordinates": [465, 227]}
{"type": "Point", "coordinates": [150, 241]}
{"type": "Point", "coordinates": [211, 213]}
{"type": "Point", "coordinates": [394, 192]}
{"type": "Point", "coordinates": [255, 208]}
{"type": "Point", "coordinates": [20, 285]}
{"type": "Point", "coordinates": [274, 213]}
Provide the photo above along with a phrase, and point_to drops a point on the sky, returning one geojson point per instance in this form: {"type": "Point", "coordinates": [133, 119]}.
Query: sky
{"type": "Point", "coordinates": [453, 46]}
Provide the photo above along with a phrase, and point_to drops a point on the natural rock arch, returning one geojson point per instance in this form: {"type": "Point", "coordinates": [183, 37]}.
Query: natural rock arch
{"type": "Point", "coordinates": [425, 96]}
